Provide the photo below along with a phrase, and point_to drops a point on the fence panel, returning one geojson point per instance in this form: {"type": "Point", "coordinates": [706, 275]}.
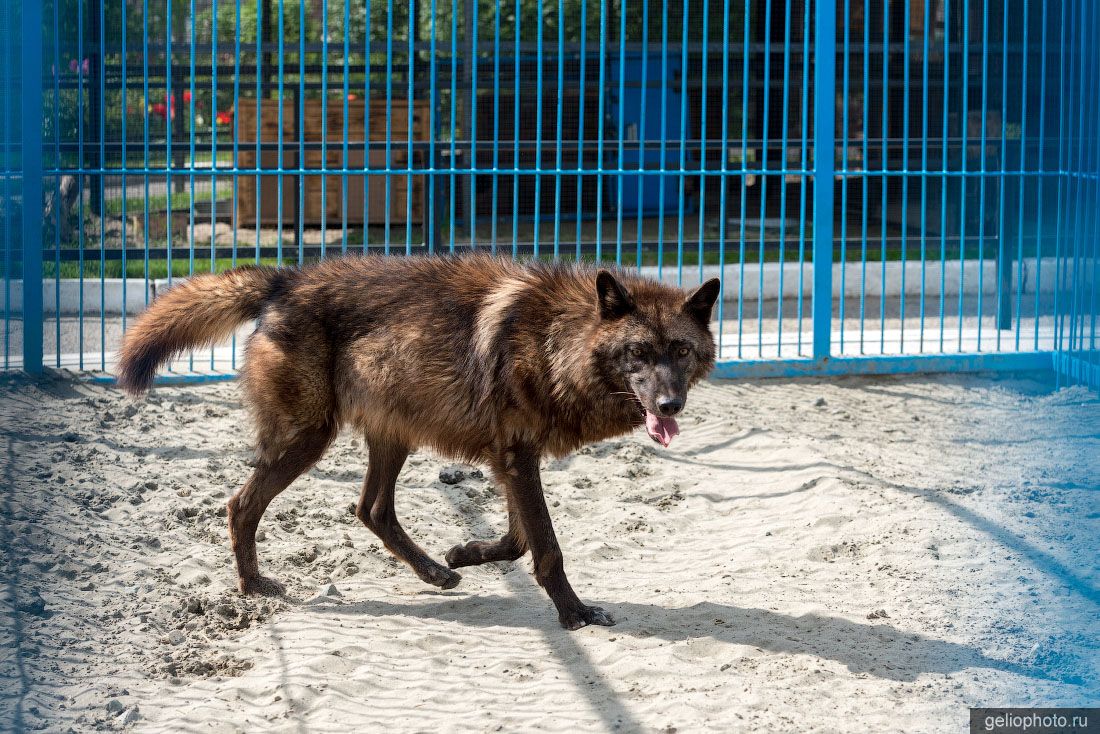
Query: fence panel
{"type": "Point", "coordinates": [1077, 271]}
{"type": "Point", "coordinates": [884, 186]}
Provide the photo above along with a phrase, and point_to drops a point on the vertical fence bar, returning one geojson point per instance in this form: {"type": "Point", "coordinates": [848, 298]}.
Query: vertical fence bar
{"type": "Point", "coordinates": [983, 158]}
{"type": "Point", "coordinates": [964, 179]}
{"type": "Point", "coordinates": [540, 93]}
{"type": "Point", "coordinates": [125, 164]}
{"type": "Point", "coordinates": [472, 5]}
{"type": "Point", "coordinates": [744, 172]}
{"type": "Point", "coordinates": [192, 168]}
{"type": "Point", "coordinates": [724, 179]}
{"type": "Point", "coordinates": [236, 152]}
{"type": "Point", "coordinates": [845, 164]}
{"type": "Point", "coordinates": [1091, 358]}
{"type": "Point", "coordinates": [496, 128]}
{"type": "Point", "coordinates": [683, 141]}
{"type": "Point", "coordinates": [259, 120]}
{"type": "Point", "coordinates": [82, 162]}
{"type": "Point", "coordinates": [945, 161]}
{"type": "Point", "coordinates": [102, 185]}
{"type": "Point", "coordinates": [433, 103]}
{"type": "Point", "coordinates": [884, 178]}
{"type": "Point", "coordinates": [802, 163]}
{"type": "Point", "coordinates": [366, 125]}
{"type": "Point", "coordinates": [599, 129]}
{"type": "Point", "coordinates": [410, 92]}
{"type": "Point", "coordinates": [580, 127]}
{"type": "Point", "coordinates": [324, 122]}
{"type": "Point", "coordinates": [662, 165]}
{"type": "Point", "coordinates": [866, 177]}
{"type": "Point", "coordinates": [454, 114]}
{"type": "Point", "coordinates": [58, 213]}
{"type": "Point", "coordinates": [1079, 184]}
{"type": "Point", "coordinates": [31, 102]}
{"type": "Point", "coordinates": [785, 110]}
{"type": "Point", "coordinates": [642, 97]}
{"type": "Point", "coordinates": [558, 140]}
{"type": "Point", "coordinates": [7, 235]}
{"type": "Point", "coordinates": [1058, 213]}
{"type": "Point", "coordinates": [763, 179]}
{"type": "Point", "coordinates": [1004, 312]}
{"type": "Point", "coordinates": [704, 62]}
{"type": "Point", "coordinates": [622, 133]}
{"type": "Point", "coordinates": [1041, 178]}
{"type": "Point", "coordinates": [347, 128]}
{"type": "Point", "coordinates": [1023, 180]}
{"type": "Point", "coordinates": [515, 137]}
{"type": "Point", "coordinates": [1091, 174]}
{"type": "Point", "coordinates": [279, 176]}
{"type": "Point", "coordinates": [905, 173]}
{"type": "Point", "coordinates": [145, 139]}
{"type": "Point", "coordinates": [213, 153]}
{"type": "Point", "coordinates": [824, 133]}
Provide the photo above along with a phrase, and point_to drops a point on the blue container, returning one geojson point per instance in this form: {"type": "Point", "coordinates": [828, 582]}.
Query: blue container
{"type": "Point", "coordinates": [651, 90]}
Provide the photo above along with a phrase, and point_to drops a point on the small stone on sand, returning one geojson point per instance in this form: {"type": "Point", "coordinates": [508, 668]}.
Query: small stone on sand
{"type": "Point", "coordinates": [452, 474]}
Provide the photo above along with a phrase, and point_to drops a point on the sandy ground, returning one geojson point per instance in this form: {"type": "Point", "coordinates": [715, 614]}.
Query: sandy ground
{"type": "Point", "coordinates": [843, 555]}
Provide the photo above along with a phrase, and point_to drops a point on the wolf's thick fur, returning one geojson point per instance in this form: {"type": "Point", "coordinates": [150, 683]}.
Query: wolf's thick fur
{"type": "Point", "coordinates": [478, 358]}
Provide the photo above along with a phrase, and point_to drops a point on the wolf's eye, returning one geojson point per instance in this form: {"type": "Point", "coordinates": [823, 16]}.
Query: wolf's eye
{"type": "Point", "coordinates": [635, 350]}
{"type": "Point", "coordinates": [683, 351]}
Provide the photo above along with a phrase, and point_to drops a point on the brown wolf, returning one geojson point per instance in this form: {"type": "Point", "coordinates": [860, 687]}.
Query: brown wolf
{"type": "Point", "coordinates": [481, 359]}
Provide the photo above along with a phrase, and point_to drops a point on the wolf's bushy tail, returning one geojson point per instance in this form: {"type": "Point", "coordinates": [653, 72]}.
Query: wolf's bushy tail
{"type": "Point", "coordinates": [198, 312]}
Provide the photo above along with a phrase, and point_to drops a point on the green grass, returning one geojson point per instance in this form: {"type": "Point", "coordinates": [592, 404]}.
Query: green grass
{"type": "Point", "coordinates": [181, 201]}
{"type": "Point", "coordinates": [181, 267]}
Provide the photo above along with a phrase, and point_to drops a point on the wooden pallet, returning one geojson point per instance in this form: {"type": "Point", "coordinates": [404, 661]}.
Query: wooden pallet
{"type": "Point", "coordinates": [323, 196]}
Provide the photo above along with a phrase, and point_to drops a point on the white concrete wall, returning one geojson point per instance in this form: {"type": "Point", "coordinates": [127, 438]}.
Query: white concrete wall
{"type": "Point", "coordinates": [111, 289]}
{"type": "Point", "coordinates": [71, 292]}
{"type": "Point", "coordinates": [876, 284]}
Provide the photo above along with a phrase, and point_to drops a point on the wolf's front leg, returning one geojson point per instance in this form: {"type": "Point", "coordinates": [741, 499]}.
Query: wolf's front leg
{"type": "Point", "coordinates": [517, 468]}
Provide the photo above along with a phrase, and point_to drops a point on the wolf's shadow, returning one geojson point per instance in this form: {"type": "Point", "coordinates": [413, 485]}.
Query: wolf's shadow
{"type": "Point", "coordinates": [879, 650]}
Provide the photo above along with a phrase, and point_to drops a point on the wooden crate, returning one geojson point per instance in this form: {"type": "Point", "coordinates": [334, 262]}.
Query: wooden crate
{"type": "Point", "coordinates": [311, 185]}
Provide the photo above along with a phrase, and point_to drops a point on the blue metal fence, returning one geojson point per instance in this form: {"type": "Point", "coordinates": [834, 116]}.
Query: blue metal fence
{"type": "Point", "coordinates": [886, 186]}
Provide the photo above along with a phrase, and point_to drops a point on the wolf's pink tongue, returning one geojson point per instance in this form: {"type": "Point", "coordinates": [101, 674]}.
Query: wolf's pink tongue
{"type": "Point", "coordinates": [661, 430]}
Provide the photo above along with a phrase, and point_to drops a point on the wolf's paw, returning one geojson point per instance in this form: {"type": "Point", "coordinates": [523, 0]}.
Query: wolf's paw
{"type": "Point", "coordinates": [574, 619]}
{"type": "Point", "coordinates": [261, 586]}
{"type": "Point", "coordinates": [458, 557]}
{"type": "Point", "coordinates": [442, 577]}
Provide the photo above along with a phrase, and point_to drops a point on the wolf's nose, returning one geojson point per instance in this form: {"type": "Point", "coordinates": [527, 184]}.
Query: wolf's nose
{"type": "Point", "coordinates": [670, 406]}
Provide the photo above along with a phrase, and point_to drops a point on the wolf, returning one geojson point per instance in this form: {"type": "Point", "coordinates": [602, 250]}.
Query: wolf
{"type": "Point", "coordinates": [482, 359]}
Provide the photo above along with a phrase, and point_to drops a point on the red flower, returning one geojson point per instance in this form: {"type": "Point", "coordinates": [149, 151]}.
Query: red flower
{"type": "Point", "coordinates": [223, 118]}
{"type": "Point", "coordinates": [187, 96]}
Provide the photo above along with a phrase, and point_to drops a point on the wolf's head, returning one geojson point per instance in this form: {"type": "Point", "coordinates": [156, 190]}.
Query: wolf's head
{"type": "Point", "coordinates": [654, 343]}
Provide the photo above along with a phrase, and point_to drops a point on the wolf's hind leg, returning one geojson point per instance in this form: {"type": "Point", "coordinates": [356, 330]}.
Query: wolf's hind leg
{"type": "Point", "coordinates": [510, 547]}
{"type": "Point", "coordinates": [246, 507]}
{"type": "Point", "coordinates": [376, 511]}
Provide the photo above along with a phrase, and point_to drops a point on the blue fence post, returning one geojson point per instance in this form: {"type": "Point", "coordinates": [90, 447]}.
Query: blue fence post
{"type": "Point", "coordinates": [824, 147]}
{"type": "Point", "coordinates": [32, 187]}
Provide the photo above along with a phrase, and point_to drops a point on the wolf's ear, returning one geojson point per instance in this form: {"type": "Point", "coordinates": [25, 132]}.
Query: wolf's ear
{"type": "Point", "coordinates": [613, 297]}
{"type": "Point", "coordinates": [699, 304]}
